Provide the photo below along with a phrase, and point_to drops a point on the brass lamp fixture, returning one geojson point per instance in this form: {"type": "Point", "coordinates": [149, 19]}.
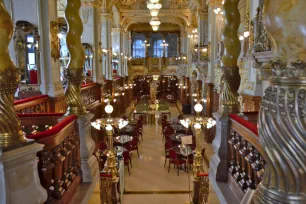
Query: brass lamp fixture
{"type": "Point", "coordinates": [108, 124]}
{"type": "Point", "coordinates": [197, 122]}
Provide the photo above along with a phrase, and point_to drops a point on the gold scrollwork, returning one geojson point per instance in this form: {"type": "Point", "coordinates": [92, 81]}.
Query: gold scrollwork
{"type": "Point", "coordinates": [55, 45]}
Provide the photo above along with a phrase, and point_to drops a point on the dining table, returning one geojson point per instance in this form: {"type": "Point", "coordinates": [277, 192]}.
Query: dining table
{"type": "Point", "coordinates": [183, 150]}
{"type": "Point", "coordinates": [176, 137]}
{"type": "Point", "coordinates": [122, 139]}
{"type": "Point", "coordinates": [178, 128]}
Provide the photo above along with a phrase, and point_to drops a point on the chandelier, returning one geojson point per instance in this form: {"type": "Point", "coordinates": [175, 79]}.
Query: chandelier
{"type": "Point", "coordinates": [155, 22]}
{"type": "Point", "coordinates": [154, 8]}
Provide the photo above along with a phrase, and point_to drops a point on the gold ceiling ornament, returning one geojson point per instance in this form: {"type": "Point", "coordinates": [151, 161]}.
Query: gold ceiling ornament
{"type": "Point", "coordinates": [10, 128]}
{"type": "Point", "coordinates": [75, 73]}
{"type": "Point", "coordinates": [230, 71]}
{"type": "Point", "coordinates": [282, 116]}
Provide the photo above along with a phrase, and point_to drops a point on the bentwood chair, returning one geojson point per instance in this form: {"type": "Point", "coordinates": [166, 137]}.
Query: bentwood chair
{"type": "Point", "coordinates": [126, 158]}
{"type": "Point", "coordinates": [164, 125]}
{"type": "Point", "coordinates": [134, 145]}
{"type": "Point", "coordinates": [168, 145]}
{"type": "Point", "coordinates": [175, 160]}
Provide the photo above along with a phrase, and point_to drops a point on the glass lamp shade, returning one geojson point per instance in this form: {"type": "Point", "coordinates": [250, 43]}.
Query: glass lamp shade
{"type": "Point", "coordinates": [151, 6]}
{"type": "Point", "coordinates": [197, 126]}
{"type": "Point", "coordinates": [198, 107]}
{"type": "Point", "coordinates": [154, 12]}
{"type": "Point", "coordinates": [246, 34]}
{"type": "Point", "coordinates": [109, 109]}
{"type": "Point", "coordinates": [155, 21]}
{"type": "Point", "coordinates": [155, 27]}
{"type": "Point", "coordinates": [109, 128]}
{"type": "Point", "coordinates": [154, 1]}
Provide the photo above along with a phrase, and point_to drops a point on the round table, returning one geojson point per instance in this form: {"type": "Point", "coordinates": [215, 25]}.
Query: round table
{"type": "Point", "coordinates": [122, 139]}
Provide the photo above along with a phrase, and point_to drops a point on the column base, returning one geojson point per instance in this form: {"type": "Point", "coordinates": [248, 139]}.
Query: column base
{"type": "Point", "coordinates": [89, 163]}
{"type": "Point", "coordinates": [19, 180]}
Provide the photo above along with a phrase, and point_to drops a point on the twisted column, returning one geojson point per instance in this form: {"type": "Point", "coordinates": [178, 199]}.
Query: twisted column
{"type": "Point", "coordinates": [230, 71]}
{"type": "Point", "coordinates": [282, 117]}
{"type": "Point", "coordinates": [10, 131]}
{"type": "Point", "coordinates": [75, 73]}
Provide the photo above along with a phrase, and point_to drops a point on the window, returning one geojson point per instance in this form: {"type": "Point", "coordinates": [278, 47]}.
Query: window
{"type": "Point", "coordinates": [158, 49]}
{"type": "Point", "coordinates": [139, 50]}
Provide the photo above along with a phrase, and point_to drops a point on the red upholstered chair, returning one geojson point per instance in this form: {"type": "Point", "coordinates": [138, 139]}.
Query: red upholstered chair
{"type": "Point", "coordinates": [168, 145]}
{"type": "Point", "coordinates": [134, 145]}
{"type": "Point", "coordinates": [175, 160]}
{"type": "Point", "coordinates": [189, 132]}
{"type": "Point", "coordinates": [169, 131]}
{"type": "Point", "coordinates": [126, 159]}
{"type": "Point", "coordinates": [164, 125]}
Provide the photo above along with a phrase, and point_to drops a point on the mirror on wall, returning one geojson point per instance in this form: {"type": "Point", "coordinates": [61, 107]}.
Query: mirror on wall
{"type": "Point", "coordinates": [88, 65]}
{"type": "Point", "coordinates": [64, 52]}
{"type": "Point", "coordinates": [26, 45]}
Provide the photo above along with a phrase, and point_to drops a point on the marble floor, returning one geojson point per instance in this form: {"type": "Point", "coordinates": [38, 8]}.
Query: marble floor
{"type": "Point", "coordinates": [150, 181]}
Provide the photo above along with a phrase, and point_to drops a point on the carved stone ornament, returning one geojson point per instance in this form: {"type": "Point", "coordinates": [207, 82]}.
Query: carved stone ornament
{"type": "Point", "coordinates": [262, 42]}
{"type": "Point", "coordinates": [55, 44]}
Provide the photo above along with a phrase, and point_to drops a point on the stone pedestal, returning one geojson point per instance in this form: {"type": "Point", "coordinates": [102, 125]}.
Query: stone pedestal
{"type": "Point", "coordinates": [218, 165]}
{"type": "Point", "coordinates": [19, 180]}
{"type": "Point", "coordinates": [89, 164]}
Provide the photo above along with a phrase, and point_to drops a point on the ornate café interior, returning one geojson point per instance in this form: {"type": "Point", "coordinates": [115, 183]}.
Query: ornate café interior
{"type": "Point", "coordinates": [152, 101]}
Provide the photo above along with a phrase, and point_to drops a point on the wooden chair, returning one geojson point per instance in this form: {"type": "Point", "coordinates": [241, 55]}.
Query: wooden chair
{"type": "Point", "coordinates": [126, 159]}
{"type": "Point", "coordinates": [175, 160]}
{"type": "Point", "coordinates": [134, 145]}
{"type": "Point", "coordinates": [168, 145]}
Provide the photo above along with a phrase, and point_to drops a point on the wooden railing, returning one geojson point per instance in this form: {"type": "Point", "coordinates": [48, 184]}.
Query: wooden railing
{"type": "Point", "coordinates": [36, 104]}
{"type": "Point", "coordinates": [91, 95]}
{"type": "Point", "coordinates": [59, 161]}
{"type": "Point", "coordinates": [246, 165]}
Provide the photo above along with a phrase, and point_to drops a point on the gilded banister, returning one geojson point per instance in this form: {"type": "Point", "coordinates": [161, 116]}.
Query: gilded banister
{"type": "Point", "coordinates": [282, 124]}
{"type": "Point", "coordinates": [10, 130]}
{"type": "Point", "coordinates": [230, 71]}
{"type": "Point", "coordinates": [75, 73]}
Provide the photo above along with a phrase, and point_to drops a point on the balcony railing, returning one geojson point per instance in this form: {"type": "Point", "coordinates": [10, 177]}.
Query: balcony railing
{"type": "Point", "coordinates": [91, 95]}
{"type": "Point", "coordinates": [59, 161]}
{"type": "Point", "coordinates": [36, 104]}
{"type": "Point", "coordinates": [246, 165]}
{"type": "Point", "coordinates": [155, 62]}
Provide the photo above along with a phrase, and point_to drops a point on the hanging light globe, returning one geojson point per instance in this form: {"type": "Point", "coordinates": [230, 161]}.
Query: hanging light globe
{"type": "Point", "coordinates": [151, 6]}
{"type": "Point", "coordinates": [154, 1]}
{"type": "Point", "coordinates": [154, 12]}
{"type": "Point", "coordinates": [155, 21]}
{"type": "Point", "coordinates": [155, 27]}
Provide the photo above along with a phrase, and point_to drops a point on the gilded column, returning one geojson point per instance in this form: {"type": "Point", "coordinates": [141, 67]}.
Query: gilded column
{"type": "Point", "coordinates": [282, 117]}
{"type": "Point", "coordinates": [10, 131]}
{"type": "Point", "coordinates": [230, 71]}
{"type": "Point", "coordinates": [75, 73]}
{"type": "Point", "coordinates": [218, 167]}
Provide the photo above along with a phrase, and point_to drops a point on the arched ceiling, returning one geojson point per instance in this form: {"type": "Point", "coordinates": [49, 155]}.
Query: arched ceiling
{"type": "Point", "coordinates": [178, 12]}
